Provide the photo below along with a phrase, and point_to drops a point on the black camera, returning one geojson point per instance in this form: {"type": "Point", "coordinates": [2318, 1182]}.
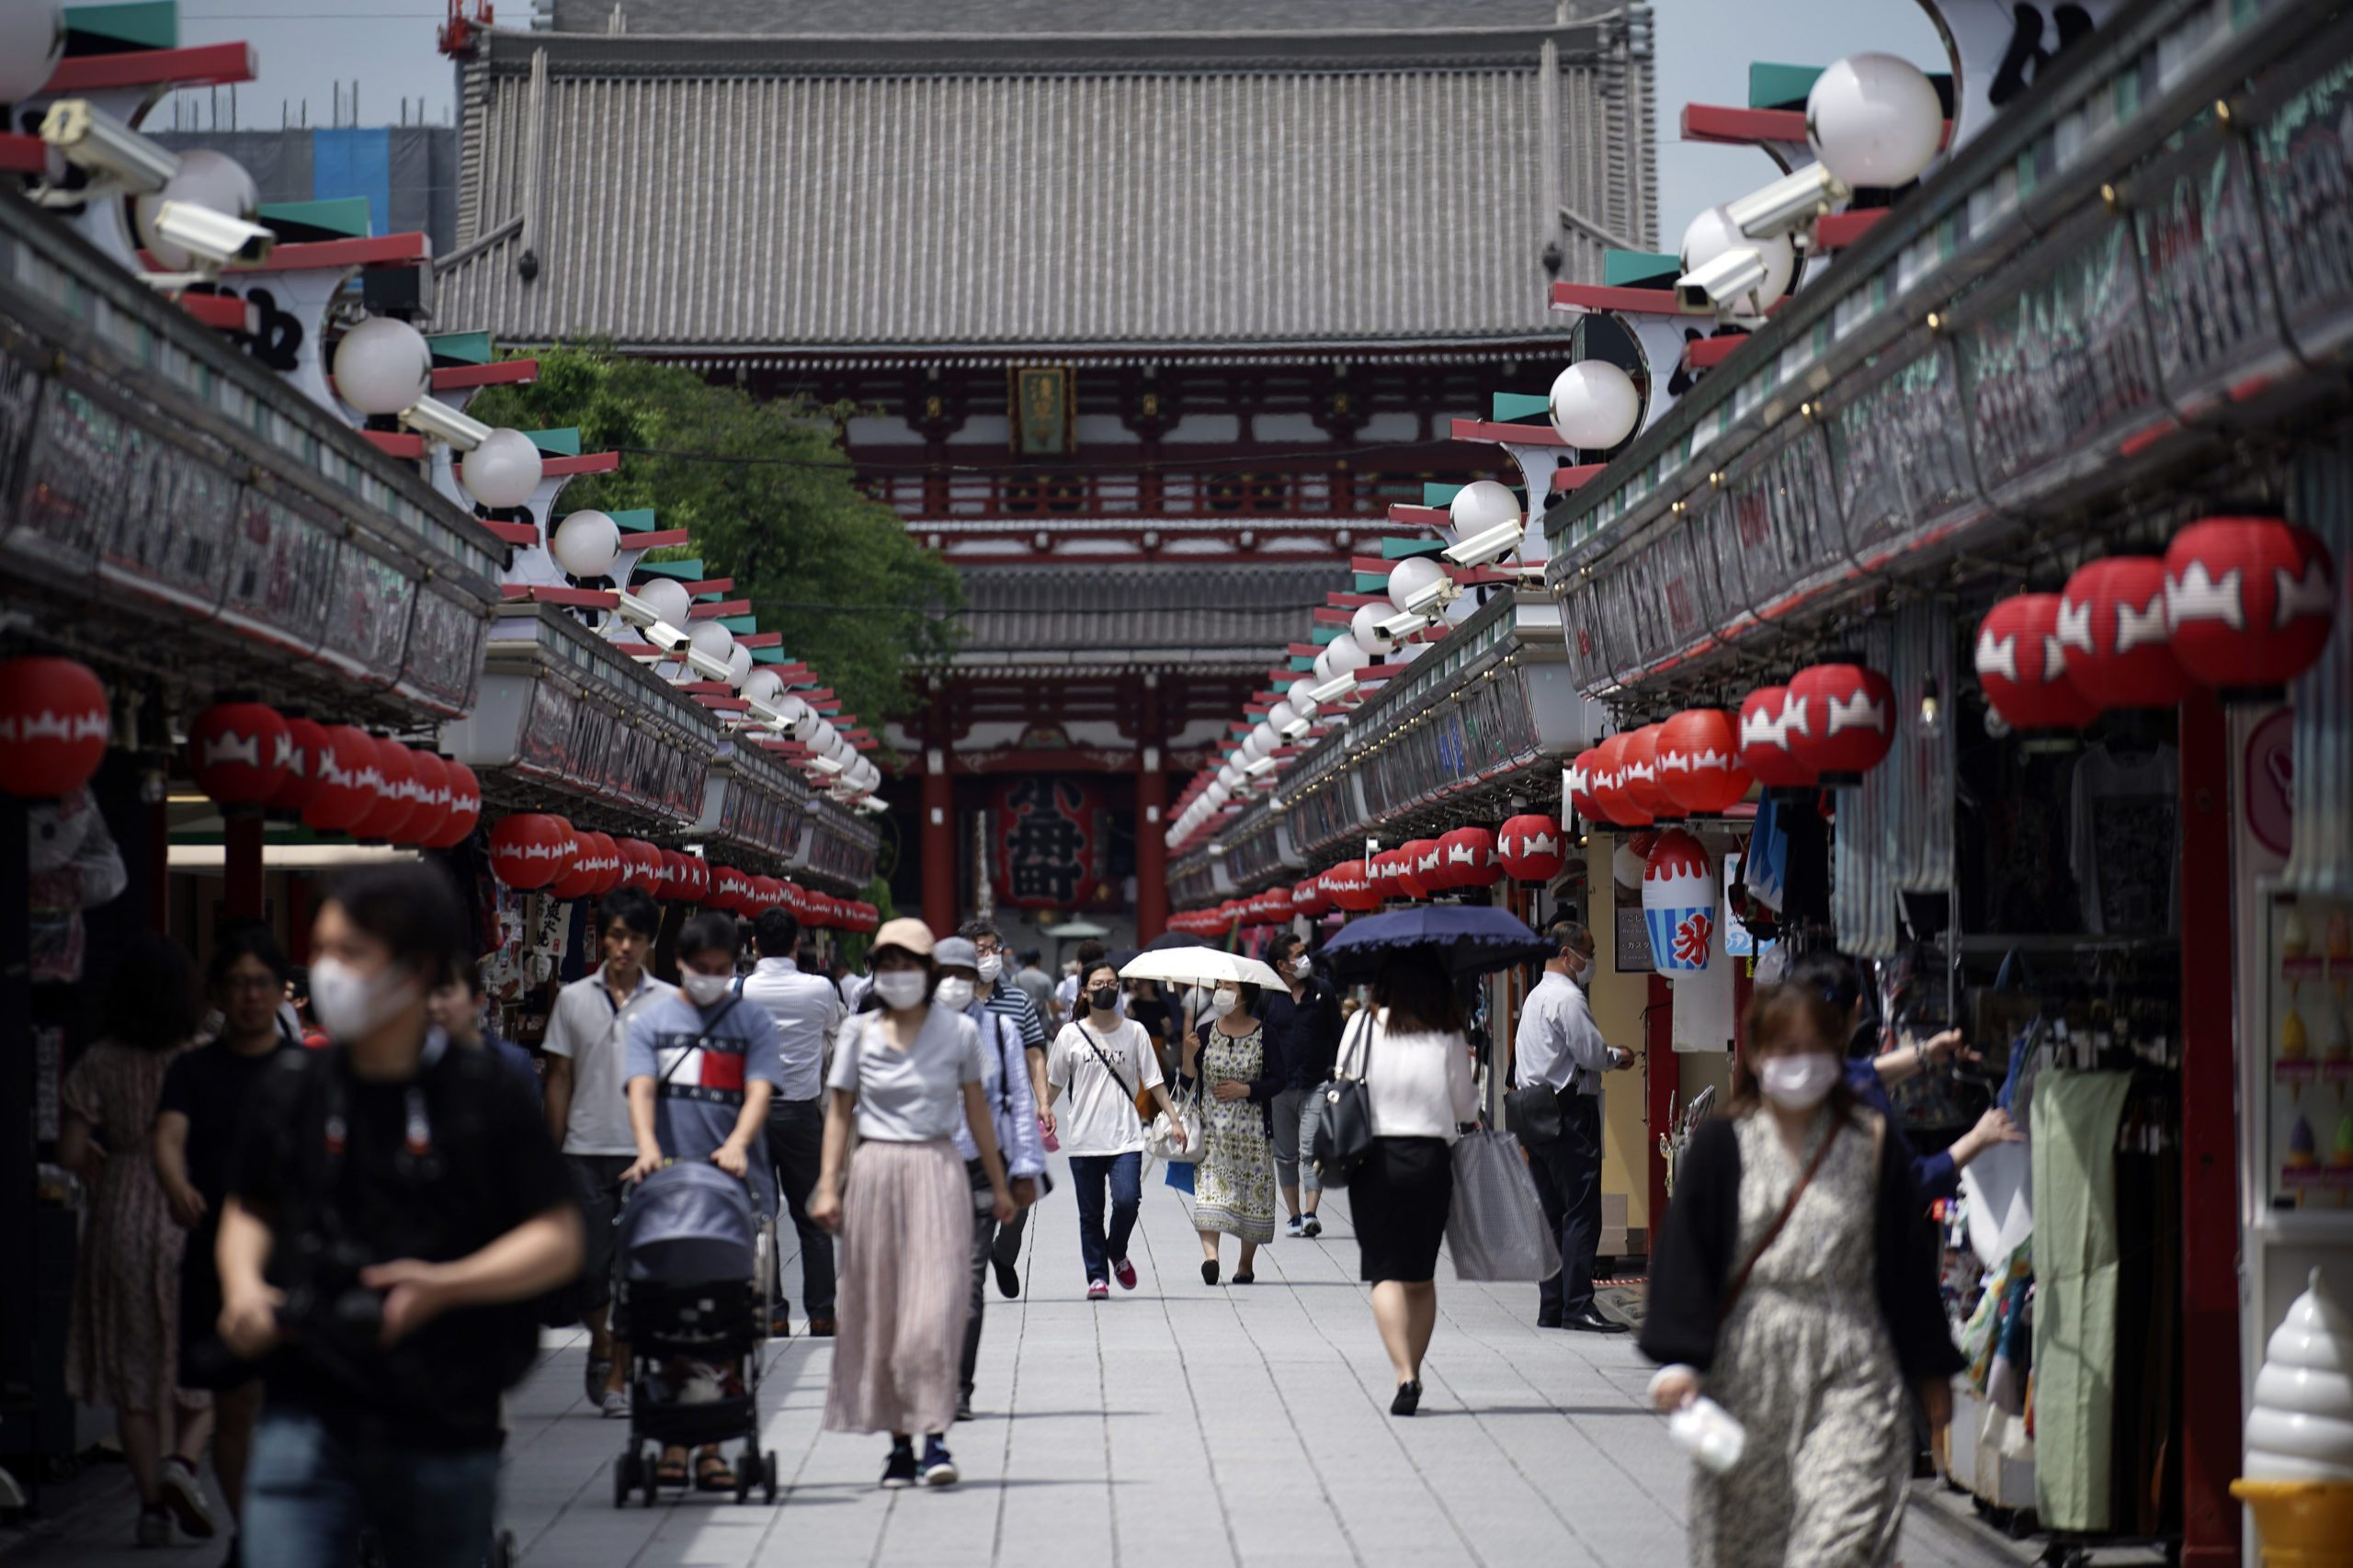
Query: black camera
{"type": "Point", "coordinates": [324, 1299]}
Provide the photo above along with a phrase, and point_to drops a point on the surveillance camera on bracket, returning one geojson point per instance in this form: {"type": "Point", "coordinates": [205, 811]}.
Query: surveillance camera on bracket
{"type": "Point", "coordinates": [1492, 544]}
{"type": "Point", "coordinates": [1726, 286]}
{"type": "Point", "coordinates": [437, 421]}
{"type": "Point", "coordinates": [1788, 203]}
{"type": "Point", "coordinates": [215, 238]}
{"type": "Point", "coordinates": [116, 157]}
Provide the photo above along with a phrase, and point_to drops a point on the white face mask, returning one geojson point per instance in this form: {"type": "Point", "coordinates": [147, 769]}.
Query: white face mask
{"type": "Point", "coordinates": [1800, 1082]}
{"type": "Point", "coordinates": [703, 990]}
{"type": "Point", "coordinates": [990, 966]}
{"type": "Point", "coordinates": [1224, 1002]}
{"type": "Point", "coordinates": [901, 987]}
{"type": "Point", "coordinates": [954, 992]}
{"type": "Point", "coordinates": [351, 1003]}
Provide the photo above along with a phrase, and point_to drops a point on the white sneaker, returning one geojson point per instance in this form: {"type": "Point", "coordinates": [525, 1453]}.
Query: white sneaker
{"type": "Point", "coordinates": [616, 1407]}
{"type": "Point", "coordinates": [1294, 1226]}
{"type": "Point", "coordinates": [154, 1527]}
{"type": "Point", "coordinates": [184, 1496]}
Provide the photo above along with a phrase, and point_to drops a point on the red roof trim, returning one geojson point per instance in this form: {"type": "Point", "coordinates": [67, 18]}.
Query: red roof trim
{"type": "Point", "coordinates": [1837, 230]}
{"type": "Point", "coordinates": [1706, 353]}
{"type": "Point", "coordinates": [513, 533]}
{"type": "Point", "coordinates": [394, 443]}
{"type": "Point", "coordinates": [1601, 297]}
{"type": "Point", "coordinates": [23, 155]}
{"type": "Point", "coordinates": [1516, 435]}
{"type": "Point", "coordinates": [713, 611]}
{"type": "Point", "coordinates": [225, 312]}
{"type": "Point", "coordinates": [763, 640]}
{"type": "Point", "coordinates": [658, 538]}
{"type": "Point", "coordinates": [381, 250]}
{"type": "Point", "coordinates": [1741, 127]}
{"type": "Point", "coordinates": [1575, 477]}
{"type": "Point", "coordinates": [506, 372]}
{"type": "Point", "coordinates": [587, 463]}
{"type": "Point", "coordinates": [1420, 517]}
{"type": "Point", "coordinates": [204, 65]}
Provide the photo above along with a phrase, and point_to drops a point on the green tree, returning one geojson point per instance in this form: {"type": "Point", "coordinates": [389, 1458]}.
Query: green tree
{"type": "Point", "coordinates": [772, 502]}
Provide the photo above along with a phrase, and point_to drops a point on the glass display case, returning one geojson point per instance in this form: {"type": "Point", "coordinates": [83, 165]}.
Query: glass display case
{"type": "Point", "coordinates": [2307, 1051]}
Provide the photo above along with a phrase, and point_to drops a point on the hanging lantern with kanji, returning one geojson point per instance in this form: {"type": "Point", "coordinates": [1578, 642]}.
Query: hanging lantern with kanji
{"type": "Point", "coordinates": [1279, 908]}
{"type": "Point", "coordinates": [1638, 764]}
{"type": "Point", "coordinates": [2249, 601]}
{"type": "Point", "coordinates": [2112, 630]}
{"type": "Point", "coordinates": [1767, 718]}
{"type": "Point", "coordinates": [1849, 711]}
{"type": "Point", "coordinates": [465, 810]}
{"type": "Point", "coordinates": [395, 793]}
{"type": "Point", "coordinates": [238, 751]}
{"type": "Point", "coordinates": [306, 739]}
{"type": "Point", "coordinates": [1698, 761]}
{"type": "Point", "coordinates": [698, 880]}
{"type": "Point", "coordinates": [1308, 897]}
{"type": "Point", "coordinates": [1349, 888]}
{"type": "Point", "coordinates": [641, 865]}
{"type": "Point", "coordinates": [1577, 781]}
{"type": "Point", "coordinates": [1417, 874]}
{"type": "Point", "coordinates": [348, 779]}
{"type": "Point", "coordinates": [1609, 789]}
{"type": "Point", "coordinates": [1678, 902]}
{"type": "Point", "coordinates": [730, 890]}
{"type": "Point", "coordinates": [1531, 847]}
{"type": "Point", "coordinates": [579, 878]}
{"type": "Point", "coordinates": [53, 727]}
{"type": "Point", "coordinates": [1471, 858]}
{"type": "Point", "coordinates": [598, 850]}
{"type": "Point", "coordinates": [530, 849]}
{"type": "Point", "coordinates": [435, 798]}
{"type": "Point", "coordinates": [2023, 669]}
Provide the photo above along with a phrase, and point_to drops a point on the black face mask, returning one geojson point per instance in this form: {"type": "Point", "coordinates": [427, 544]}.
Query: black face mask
{"type": "Point", "coordinates": [1103, 998]}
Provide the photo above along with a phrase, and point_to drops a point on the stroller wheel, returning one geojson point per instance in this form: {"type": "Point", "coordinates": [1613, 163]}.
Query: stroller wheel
{"type": "Point", "coordinates": [624, 1477]}
{"type": "Point", "coordinates": [767, 1473]}
{"type": "Point", "coordinates": [649, 1466]}
{"type": "Point", "coordinates": [501, 1550]}
{"type": "Point", "coordinates": [747, 1464]}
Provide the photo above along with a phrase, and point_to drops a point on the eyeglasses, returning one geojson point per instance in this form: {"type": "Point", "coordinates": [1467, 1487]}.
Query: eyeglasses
{"type": "Point", "coordinates": [251, 982]}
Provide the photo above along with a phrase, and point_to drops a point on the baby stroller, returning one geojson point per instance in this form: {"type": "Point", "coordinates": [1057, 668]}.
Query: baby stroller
{"type": "Point", "coordinates": [692, 1301]}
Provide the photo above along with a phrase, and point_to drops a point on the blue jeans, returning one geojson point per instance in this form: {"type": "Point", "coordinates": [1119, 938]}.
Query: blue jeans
{"type": "Point", "coordinates": [1088, 1173]}
{"type": "Point", "coordinates": [308, 1491]}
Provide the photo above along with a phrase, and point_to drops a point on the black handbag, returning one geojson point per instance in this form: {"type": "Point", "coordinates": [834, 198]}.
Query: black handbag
{"type": "Point", "coordinates": [1533, 1112]}
{"type": "Point", "coordinates": [1344, 1134]}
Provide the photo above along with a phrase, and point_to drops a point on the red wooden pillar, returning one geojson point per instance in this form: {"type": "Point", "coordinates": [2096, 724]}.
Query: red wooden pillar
{"type": "Point", "coordinates": [241, 863]}
{"type": "Point", "coordinates": [2209, 1224]}
{"type": "Point", "coordinates": [1151, 820]}
{"type": "Point", "coordinates": [1665, 1074]}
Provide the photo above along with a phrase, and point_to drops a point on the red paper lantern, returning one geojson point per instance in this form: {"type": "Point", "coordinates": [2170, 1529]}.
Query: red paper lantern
{"type": "Point", "coordinates": [2112, 631]}
{"type": "Point", "coordinates": [730, 890]}
{"type": "Point", "coordinates": [1530, 847]}
{"type": "Point", "coordinates": [768, 893]}
{"type": "Point", "coordinates": [1579, 779]}
{"type": "Point", "coordinates": [1349, 889]}
{"type": "Point", "coordinates": [2249, 601]}
{"type": "Point", "coordinates": [530, 849]}
{"type": "Point", "coordinates": [465, 810]}
{"type": "Point", "coordinates": [1698, 761]}
{"type": "Point", "coordinates": [1309, 898]}
{"type": "Point", "coordinates": [53, 727]}
{"type": "Point", "coordinates": [434, 798]}
{"type": "Point", "coordinates": [395, 797]}
{"type": "Point", "coordinates": [823, 912]}
{"type": "Point", "coordinates": [579, 879]}
{"type": "Point", "coordinates": [1850, 720]}
{"type": "Point", "coordinates": [347, 782]}
{"type": "Point", "coordinates": [1470, 859]}
{"type": "Point", "coordinates": [796, 899]}
{"type": "Point", "coordinates": [1610, 790]}
{"type": "Point", "coordinates": [1279, 908]}
{"type": "Point", "coordinates": [1417, 864]}
{"type": "Point", "coordinates": [2023, 669]}
{"type": "Point", "coordinates": [1638, 764]}
{"type": "Point", "coordinates": [306, 739]}
{"type": "Point", "coordinates": [238, 751]}
{"type": "Point", "coordinates": [598, 852]}
{"type": "Point", "coordinates": [641, 865]}
{"type": "Point", "coordinates": [1767, 723]}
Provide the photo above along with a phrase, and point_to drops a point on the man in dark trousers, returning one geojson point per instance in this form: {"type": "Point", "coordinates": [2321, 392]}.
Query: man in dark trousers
{"type": "Point", "coordinates": [1559, 1048]}
{"type": "Point", "coordinates": [1303, 1025]}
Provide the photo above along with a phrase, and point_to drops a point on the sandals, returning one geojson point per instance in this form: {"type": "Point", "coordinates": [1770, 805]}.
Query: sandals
{"type": "Point", "coordinates": [712, 1474]}
{"type": "Point", "coordinates": [670, 1473]}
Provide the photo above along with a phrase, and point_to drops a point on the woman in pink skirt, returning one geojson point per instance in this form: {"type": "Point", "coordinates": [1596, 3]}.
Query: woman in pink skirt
{"type": "Point", "coordinates": [907, 1071]}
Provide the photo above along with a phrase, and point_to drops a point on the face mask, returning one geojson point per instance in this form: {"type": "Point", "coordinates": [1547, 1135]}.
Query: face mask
{"type": "Point", "coordinates": [900, 987]}
{"type": "Point", "coordinates": [1103, 998]}
{"type": "Point", "coordinates": [991, 966]}
{"type": "Point", "coordinates": [351, 1003]}
{"type": "Point", "coordinates": [1224, 1002]}
{"type": "Point", "coordinates": [703, 990]}
{"type": "Point", "coordinates": [1580, 968]}
{"type": "Point", "coordinates": [1799, 1083]}
{"type": "Point", "coordinates": [955, 993]}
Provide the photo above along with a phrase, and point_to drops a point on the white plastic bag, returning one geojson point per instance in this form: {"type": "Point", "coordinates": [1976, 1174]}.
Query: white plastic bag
{"type": "Point", "coordinates": [1496, 1229]}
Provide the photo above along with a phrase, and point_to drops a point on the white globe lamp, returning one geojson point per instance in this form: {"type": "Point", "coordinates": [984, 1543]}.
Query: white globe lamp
{"type": "Point", "coordinates": [1482, 506]}
{"type": "Point", "coordinates": [1365, 627]}
{"type": "Point", "coordinates": [382, 366]}
{"type": "Point", "coordinates": [1712, 233]}
{"type": "Point", "coordinates": [712, 640]}
{"type": "Point", "coordinates": [1415, 584]}
{"type": "Point", "coordinates": [1300, 695]}
{"type": "Point", "coordinates": [1596, 405]}
{"type": "Point", "coordinates": [1268, 740]}
{"type": "Point", "coordinates": [739, 665]}
{"type": "Point", "coordinates": [501, 472]}
{"type": "Point", "coordinates": [208, 179]}
{"type": "Point", "coordinates": [588, 544]}
{"type": "Point", "coordinates": [1286, 719]}
{"type": "Point", "coordinates": [32, 40]}
{"type": "Point", "coordinates": [667, 597]}
{"type": "Point", "coordinates": [764, 686]}
{"type": "Point", "coordinates": [807, 726]}
{"type": "Point", "coordinates": [1874, 120]}
{"type": "Point", "coordinates": [1347, 654]}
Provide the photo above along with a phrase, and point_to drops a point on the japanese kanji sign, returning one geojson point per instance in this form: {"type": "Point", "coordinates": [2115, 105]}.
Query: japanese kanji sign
{"type": "Point", "coordinates": [1048, 839]}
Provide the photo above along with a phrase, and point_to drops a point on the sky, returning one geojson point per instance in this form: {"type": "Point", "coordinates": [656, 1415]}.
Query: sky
{"type": "Point", "coordinates": [308, 47]}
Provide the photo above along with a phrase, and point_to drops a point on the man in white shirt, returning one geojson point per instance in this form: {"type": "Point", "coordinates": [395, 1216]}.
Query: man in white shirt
{"type": "Point", "coordinates": [1559, 1047]}
{"type": "Point", "coordinates": [807, 1011]}
{"type": "Point", "coordinates": [588, 1110]}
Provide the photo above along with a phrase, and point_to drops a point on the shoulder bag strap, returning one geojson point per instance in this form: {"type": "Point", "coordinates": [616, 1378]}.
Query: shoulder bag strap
{"type": "Point", "coordinates": [1093, 1045]}
{"type": "Point", "coordinates": [1360, 1026]}
{"type": "Point", "coordinates": [1740, 1280]}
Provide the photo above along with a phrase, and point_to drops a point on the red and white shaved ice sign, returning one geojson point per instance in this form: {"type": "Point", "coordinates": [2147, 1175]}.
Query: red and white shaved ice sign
{"type": "Point", "coordinates": [1679, 902]}
{"type": "Point", "coordinates": [2249, 601]}
{"type": "Point", "coordinates": [1531, 847]}
{"type": "Point", "coordinates": [1699, 760]}
{"type": "Point", "coordinates": [2022, 666]}
{"type": "Point", "coordinates": [2113, 634]}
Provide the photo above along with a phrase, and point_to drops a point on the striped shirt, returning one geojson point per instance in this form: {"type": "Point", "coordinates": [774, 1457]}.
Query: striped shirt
{"type": "Point", "coordinates": [1009, 1001]}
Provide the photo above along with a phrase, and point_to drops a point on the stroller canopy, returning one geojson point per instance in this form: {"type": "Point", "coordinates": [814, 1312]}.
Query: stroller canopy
{"type": "Point", "coordinates": [688, 1225]}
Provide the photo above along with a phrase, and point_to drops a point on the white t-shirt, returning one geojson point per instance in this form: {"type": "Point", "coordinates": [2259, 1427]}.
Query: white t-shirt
{"type": "Point", "coordinates": [1097, 1114]}
{"type": "Point", "coordinates": [911, 1096]}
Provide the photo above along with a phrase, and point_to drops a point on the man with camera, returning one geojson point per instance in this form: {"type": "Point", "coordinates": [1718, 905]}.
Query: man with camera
{"type": "Point", "coordinates": [1560, 1056]}
{"type": "Point", "coordinates": [395, 1205]}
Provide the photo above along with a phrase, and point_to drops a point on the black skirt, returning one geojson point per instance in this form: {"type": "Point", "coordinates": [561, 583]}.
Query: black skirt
{"type": "Point", "coordinates": [1399, 1201]}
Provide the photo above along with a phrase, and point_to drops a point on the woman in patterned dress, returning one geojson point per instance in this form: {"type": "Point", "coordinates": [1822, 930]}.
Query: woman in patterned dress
{"type": "Point", "coordinates": [1805, 1317]}
{"type": "Point", "coordinates": [122, 1343]}
{"type": "Point", "coordinates": [1233, 1183]}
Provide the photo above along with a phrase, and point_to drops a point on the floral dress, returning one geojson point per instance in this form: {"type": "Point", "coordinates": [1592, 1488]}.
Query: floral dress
{"type": "Point", "coordinates": [1234, 1181]}
{"type": "Point", "coordinates": [1806, 1364]}
{"type": "Point", "coordinates": [122, 1344]}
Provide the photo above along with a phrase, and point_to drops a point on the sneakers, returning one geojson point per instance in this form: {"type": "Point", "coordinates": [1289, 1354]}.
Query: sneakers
{"type": "Point", "coordinates": [615, 1404]}
{"type": "Point", "coordinates": [154, 1527]}
{"type": "Point", "coordinates": [1295, 1226]}
{"type": "Point", "coordinates": [1008, 1280]}
{"type": "Point", "coordinates": [597, 1374]}
{"type": "Point", "coordinates": [184, 1496]}
{"type": "Point", "coordinates": [1125, 1273]}
{"type": "Point", "coordinates": [938, 1468]}
{"type": "Point", "coordinates": [1098, 1291]}
{"type": "Point", "coordinates": [1310, 1225]}
{"type": "Point", "coordinates": [900, 1472]}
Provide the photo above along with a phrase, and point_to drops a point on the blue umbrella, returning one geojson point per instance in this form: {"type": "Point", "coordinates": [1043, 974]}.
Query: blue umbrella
{"type": "Point", "coordinates": [1467, 938]}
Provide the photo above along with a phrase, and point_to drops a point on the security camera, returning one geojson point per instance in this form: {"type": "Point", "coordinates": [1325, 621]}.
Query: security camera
{"type": "Point", "coordinates": [439, 422]}
{"type": "Point", "coordinates": [703, 665]}
{"type": "Point", "coordinates": [1787, 204]}
{"type": "Point", "coordinates": [1492, 544]}
{"type": "Point", "coordinates": [1728, 284]}
{"type": "Point", "coordinates": [214, 238]}
{"type": "Point", "coordinates": [1264, 765]}
{"type": "Point", "coordinates": [1338, 685]}
{"type": "Point", "coordinates": [1428, 602]}
{"type": "Point", "coordinates": [1404, 624]}
{"type": "Point", "coordinates": [111, 152]}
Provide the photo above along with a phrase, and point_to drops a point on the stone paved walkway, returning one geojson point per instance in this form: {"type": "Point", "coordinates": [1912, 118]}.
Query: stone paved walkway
{"type": "Point", "coordinates": [1177, 1425]}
